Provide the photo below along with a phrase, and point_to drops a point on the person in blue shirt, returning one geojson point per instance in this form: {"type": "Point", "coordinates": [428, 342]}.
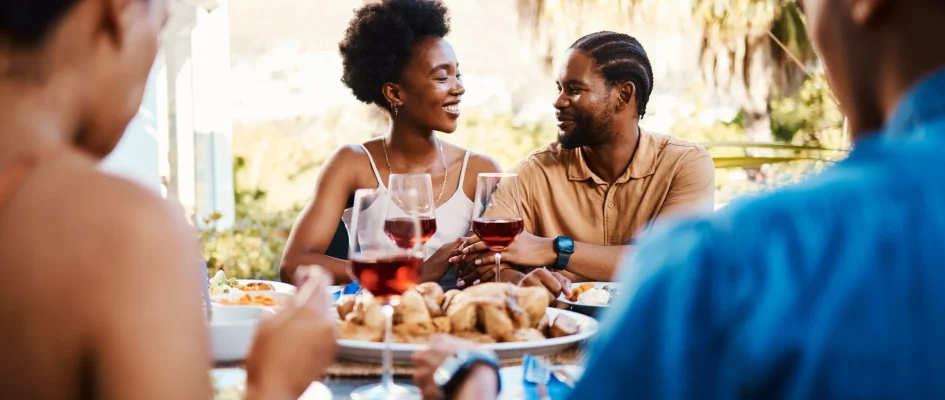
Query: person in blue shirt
{"type": "Point", "coordinates": [830, 289]}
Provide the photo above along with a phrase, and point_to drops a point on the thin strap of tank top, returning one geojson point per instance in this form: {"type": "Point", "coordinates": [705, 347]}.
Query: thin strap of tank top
{"type": "Point", "coordinates": [377, 174]}
{"type": "Point", "coordinates": [13, 174]}
{"type": "Point", "coordinates": [462, 175]}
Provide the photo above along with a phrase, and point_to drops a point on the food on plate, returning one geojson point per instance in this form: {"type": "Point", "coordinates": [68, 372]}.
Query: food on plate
{"type": "Point", "coordinates": [576, 292]}
{"type": "Point", "coordinates": [256, 287]}
{"type": "Point", "coordinates": [588, 294]}
{"type": "Point", "coordinates": [486, 313]}
{"type": "Point", "coordinates": [563, 327]}
{"type": "Point", "coordinates": [595, 297]}
{"type": "Point", "coordinates": [221, 284]}
{"type": "Point", "coordinates": [250, 300]}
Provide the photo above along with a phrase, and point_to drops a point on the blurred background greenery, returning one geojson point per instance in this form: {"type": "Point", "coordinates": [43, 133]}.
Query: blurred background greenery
{"type": "Point", "coordinates": [753, 54]}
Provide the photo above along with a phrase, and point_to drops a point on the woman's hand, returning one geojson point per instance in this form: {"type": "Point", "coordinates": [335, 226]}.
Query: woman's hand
{"type": "Point", "coordinates": [435, 267]}
{"type": "Point", "coordinates": [293, 348]}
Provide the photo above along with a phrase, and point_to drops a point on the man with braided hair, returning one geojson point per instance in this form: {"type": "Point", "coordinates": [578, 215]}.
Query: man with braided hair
{"type": "Point", "coordinates": [585, 198]}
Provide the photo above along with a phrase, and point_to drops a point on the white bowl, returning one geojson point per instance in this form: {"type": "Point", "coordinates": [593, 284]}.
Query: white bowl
{"type": "Point", "coordinates": [232, 330]}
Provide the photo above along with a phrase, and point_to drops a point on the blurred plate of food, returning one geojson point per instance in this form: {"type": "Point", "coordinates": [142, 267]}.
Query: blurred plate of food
{"type": "Point", "coordinates": [505, 318]}
{"type": "Point", "coordinates": [590, 297]}
{"type": "Point", "coordinates": [248, 292]}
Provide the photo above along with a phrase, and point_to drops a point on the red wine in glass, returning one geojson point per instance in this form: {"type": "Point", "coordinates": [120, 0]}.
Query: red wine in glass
{"type": "Point", "coordinates": [387, 276]}
{"type": "Point", "coordinates": [400, 230]}
{"type": "Point", "coordinates": [498, 233]}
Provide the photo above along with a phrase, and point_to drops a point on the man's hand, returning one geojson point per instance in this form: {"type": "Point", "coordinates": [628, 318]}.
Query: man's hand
{"type": "Point", "coordinates": [555, 282]}
{"type": "Point", "coordinates": [428, 360]}
{"type": "Point", "coordinates": [526, 251]}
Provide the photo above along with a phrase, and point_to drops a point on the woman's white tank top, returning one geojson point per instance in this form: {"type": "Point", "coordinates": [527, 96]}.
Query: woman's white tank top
{"type": "Point", "coordinates": [452, 219]}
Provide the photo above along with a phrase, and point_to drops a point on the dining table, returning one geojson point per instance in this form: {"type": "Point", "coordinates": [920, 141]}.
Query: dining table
{"type": "Point", "coordinates": [343, 377]}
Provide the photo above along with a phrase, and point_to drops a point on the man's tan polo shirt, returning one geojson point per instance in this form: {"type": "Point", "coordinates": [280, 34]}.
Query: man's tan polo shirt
{"type": "Point", "coordinates": [561, 196]}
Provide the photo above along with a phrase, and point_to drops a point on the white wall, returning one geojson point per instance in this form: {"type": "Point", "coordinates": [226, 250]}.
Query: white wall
{"type": "Point", "coordinates": [179, 143]}
{"type": "Point", "coordinates": [137, 156]}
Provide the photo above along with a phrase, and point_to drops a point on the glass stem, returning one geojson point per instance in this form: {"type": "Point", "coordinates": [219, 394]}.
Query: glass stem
{"type": "Point", "coordinates": [498, 262]}
{"type": "Point", "coordinates": [387, 374]}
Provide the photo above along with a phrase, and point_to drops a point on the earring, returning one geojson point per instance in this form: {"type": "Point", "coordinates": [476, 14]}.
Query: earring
{"type": "Point", "coordinates": [395, 108]}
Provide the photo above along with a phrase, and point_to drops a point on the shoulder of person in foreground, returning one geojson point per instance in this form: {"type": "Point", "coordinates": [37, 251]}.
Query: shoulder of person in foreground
{"type": "Point", "coordinates": [704, 292]}
{"type": "Point", "coordinates": [148, 332]}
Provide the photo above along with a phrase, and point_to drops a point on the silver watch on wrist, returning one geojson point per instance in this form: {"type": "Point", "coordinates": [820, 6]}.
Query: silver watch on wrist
{"type": "Point", "coordinates": [453, 371]}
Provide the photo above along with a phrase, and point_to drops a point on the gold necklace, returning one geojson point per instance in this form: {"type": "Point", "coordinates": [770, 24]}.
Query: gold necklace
{"type": "Point", "coordinates": [446, 171]}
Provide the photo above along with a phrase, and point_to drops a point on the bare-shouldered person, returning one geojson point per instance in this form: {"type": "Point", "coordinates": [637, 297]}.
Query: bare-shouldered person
{"type": "Point", "coordinates": [102, 293]}
{"type": "Point", "coordinates": [421, 90]}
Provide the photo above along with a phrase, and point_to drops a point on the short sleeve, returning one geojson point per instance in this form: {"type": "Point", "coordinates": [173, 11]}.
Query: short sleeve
{"type": "Point", "coordinates": [664, 338]}
{"type": "Point", "coordinates": [692, 190]}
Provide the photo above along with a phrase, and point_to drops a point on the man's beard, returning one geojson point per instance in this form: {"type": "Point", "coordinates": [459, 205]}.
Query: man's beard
{"type": "Point", "coordinates": [591, 131]}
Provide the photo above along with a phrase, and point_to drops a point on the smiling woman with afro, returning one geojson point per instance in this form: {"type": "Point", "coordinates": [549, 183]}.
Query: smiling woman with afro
{"type": "Point", "coordinates": [395, 57]}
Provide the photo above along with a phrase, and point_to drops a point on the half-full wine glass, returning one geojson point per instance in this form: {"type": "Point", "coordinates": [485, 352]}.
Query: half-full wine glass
{"type": "Point", "coordinates": [497, 215]}
{"type": "Point", "coordinates": [401, 185]}
{"type": "Point", "coordinates": [385, 270]}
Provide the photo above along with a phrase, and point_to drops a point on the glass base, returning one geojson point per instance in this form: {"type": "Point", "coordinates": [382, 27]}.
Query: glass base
{"type": "Point", "coordinates": [379, 392]}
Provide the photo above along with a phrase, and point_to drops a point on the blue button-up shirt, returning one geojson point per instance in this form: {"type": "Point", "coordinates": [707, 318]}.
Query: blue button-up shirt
{"type": "Point", "coordinates": [830, 289]}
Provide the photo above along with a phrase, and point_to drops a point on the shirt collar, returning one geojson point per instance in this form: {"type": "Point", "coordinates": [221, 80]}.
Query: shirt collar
{"type": "Point", "coordinates": [641, 165]}
{"type": "Point", "coordinates": [921, 105]}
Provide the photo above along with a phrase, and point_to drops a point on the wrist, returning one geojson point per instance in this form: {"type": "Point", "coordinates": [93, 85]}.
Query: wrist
{"type": "Point", "coordinates": [431, 270]}
{"type": "Point", "coordinates": [548, 254]}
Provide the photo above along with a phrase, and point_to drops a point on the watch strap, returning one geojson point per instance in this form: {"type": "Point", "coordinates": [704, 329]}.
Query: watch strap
{"type": "Point", "coordinates": [563, 252]}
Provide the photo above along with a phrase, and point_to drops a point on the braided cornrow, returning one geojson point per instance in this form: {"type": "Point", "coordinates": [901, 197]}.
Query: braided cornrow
{"type": "Point", "coordinates": [620, 58]}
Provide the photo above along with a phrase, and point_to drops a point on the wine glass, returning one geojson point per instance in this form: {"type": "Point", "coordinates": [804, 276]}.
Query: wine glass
{"type": "Point", "coordinates": [386, 270]}
{"type": "Point", "coordinates": [497, 214]}
{"type": "Point", "coordinates": [401, 185]}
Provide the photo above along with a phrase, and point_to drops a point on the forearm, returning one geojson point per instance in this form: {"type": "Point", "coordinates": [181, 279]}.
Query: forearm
{"type": "Point", "coordinates": [589, 261]}
{"type": "Point", "coordinates": [291, 262]}
{"type": "Point", "coordinates": [481, 384]}
{"type": "Point", "coordinates": [597, 263]}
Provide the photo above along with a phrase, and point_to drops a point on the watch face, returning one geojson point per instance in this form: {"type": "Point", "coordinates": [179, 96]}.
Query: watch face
{"type": "Point", "coordinates": [564, 244]}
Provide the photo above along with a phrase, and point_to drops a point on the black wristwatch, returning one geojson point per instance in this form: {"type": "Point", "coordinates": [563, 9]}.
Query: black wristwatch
{"type": "Point", "coordinates": [453, 371]}
{"type": "Point", "coordinates": [564, 246]}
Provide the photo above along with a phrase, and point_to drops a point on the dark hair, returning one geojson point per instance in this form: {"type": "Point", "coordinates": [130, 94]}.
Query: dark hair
{"type": "Point", "coordinates": [620, 58]}
{"type": "Point", "coordinates": [380, 39]}
{"type": "Point", "coordinates": [26, 23]}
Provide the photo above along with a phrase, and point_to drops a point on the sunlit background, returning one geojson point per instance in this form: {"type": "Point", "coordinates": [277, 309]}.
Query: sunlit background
{"type": "Point", "coordinates": [245, 101]}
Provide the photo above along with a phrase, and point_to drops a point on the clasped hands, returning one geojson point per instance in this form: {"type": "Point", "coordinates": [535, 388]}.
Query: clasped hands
{"type": "Point", "coordinates": [476, 264]}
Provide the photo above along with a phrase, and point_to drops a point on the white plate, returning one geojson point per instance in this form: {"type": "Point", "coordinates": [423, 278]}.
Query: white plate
{"type": "Point", "coordinates": [278, 286]}
{"type": "Point", "coordinates": [370, 352]}
{"type": "Point", "coordinates": [588, 309]}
